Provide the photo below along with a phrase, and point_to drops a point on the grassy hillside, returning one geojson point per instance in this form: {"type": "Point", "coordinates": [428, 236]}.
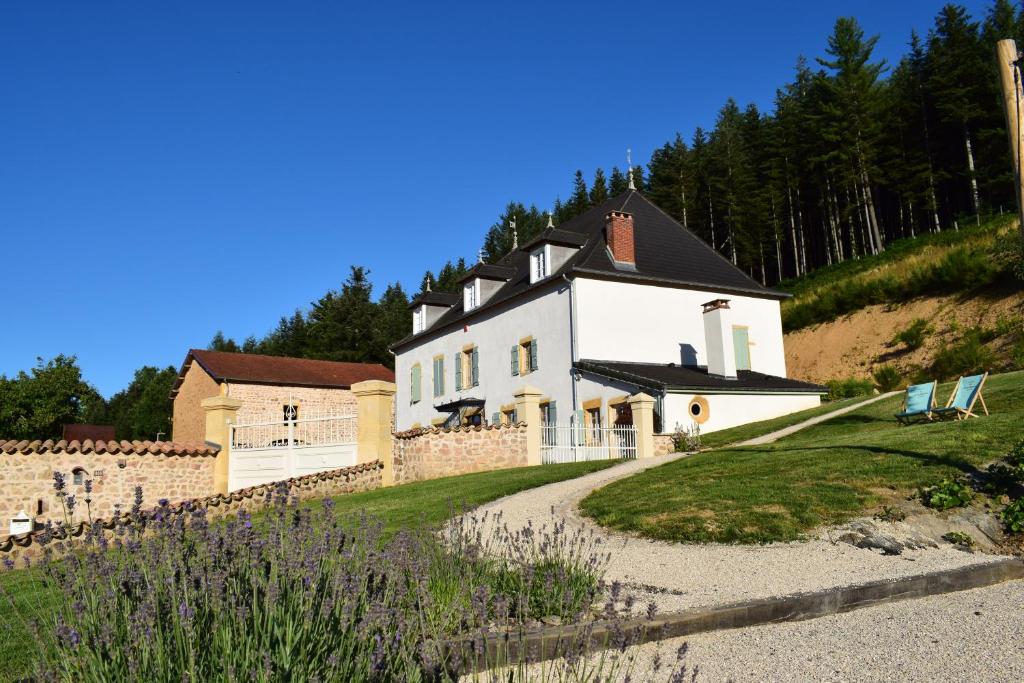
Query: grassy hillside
{"type": "Point", "coordinates": [826, 474]}
{"type": "Point", "coordinates": [935, 306]}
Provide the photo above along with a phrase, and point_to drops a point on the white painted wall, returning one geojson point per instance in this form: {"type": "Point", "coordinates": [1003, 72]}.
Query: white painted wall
{"type": "Point", "coordinates": [632, 322]}
{"type": "Point", "coordinates": [544, 315]}
{"type": "Point", "coordinates": [730, 410]}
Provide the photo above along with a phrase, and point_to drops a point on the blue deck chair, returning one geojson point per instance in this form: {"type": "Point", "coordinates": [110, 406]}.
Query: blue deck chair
{"type": "Point", "coordinates": [918, 403]}
{"type": "Point", "coordinates": [961, 402]}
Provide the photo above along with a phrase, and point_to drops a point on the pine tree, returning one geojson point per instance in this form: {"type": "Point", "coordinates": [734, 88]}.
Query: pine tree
{"type": "Point", "coordinates": [851, 117]}
{"type": "Point", "coordinates": [617, 182]}
{"type": "Point", "coordinates": [599, 188]}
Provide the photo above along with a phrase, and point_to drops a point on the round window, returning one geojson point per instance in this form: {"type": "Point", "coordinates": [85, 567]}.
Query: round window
{"type": "Point", "coordinates": [699, 410]}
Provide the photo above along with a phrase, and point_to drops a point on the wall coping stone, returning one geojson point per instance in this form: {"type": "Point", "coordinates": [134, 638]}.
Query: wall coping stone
{"type": "Point", "coordinates": [421, 431]}
{"type": "Point", "coordinates": [79, 529]}
{"type": "Point", "coordinates": [37, 446]}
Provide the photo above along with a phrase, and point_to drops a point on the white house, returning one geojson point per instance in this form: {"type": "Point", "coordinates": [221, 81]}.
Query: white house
{"type": "Point", "coordinates": [619, 300]}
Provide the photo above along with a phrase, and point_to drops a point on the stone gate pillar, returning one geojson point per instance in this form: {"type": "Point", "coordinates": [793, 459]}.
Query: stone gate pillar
{"type": "Point", "coordinates": [220, 415]}
{"type": "Point", "coordinates": [376, 403]}
{"type": "Point", "coordinates": [642, 406]}
{"type": "Point", "coordinates": [528, 411]}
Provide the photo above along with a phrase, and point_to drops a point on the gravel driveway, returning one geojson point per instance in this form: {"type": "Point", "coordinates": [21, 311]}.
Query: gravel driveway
{"type": "Point", "coordinates": [975, 635]}
{"type": "Point", "coordinates": [678, 577]}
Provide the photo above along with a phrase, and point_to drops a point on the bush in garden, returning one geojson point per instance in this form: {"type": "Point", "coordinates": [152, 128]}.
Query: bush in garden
{"type": "Point", "coordinates": [1013, 516]}
{"type": "Point", "coordinates": [946, 494]}
{"type": "Point", "coordinates": [848, 388]}
{"type": "Point", "coordinates": [299, 594]}
{"type": "Point", "coordinates": [887, 378]}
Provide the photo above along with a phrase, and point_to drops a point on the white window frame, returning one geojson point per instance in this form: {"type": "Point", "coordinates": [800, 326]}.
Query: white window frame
{"type": "Point", "coordinates": [540, 263]}
{"type": "Point", "coordinates": [419, 319]}
{"type": "Point", "coordinates": [471, 295]}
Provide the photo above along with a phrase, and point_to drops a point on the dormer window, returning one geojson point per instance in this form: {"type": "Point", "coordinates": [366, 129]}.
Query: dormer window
{"type": "Point", "coordinates": [471, 295]}
{"type": "Point", "coordinates": [419, 320]}
{"type": "Point", "coordinates": [539, 261]}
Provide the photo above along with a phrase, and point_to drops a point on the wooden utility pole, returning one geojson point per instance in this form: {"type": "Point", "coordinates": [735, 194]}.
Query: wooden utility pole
{"type": "Point", "coordinates": [1013, 107]}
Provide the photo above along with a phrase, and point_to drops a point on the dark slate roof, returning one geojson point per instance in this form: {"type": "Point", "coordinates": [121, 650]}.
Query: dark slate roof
{"type": "Point", "coordinates": [435, 298]}
{"type": "Point", "coordinates": [557, 236]}
{"type": "Point", "coordinates": [254, 368]}
{"type": "Point", "coordinates": [666, 253]}
{"type": "Point", "coordinates": [489, 271]}
{"type": "Point", "coordinates": [691, 377]}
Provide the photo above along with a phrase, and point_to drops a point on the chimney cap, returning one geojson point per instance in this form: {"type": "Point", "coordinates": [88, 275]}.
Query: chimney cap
{"type": "Point", "coordinates": [616, 213]}
{"type": "Point", "coordinates": [715, 304]}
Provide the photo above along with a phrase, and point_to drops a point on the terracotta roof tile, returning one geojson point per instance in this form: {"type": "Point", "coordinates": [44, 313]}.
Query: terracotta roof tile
{"type": "Point", "coordinates": [100, 447]}
{"type": "Point", "coordinates": [256, 369]}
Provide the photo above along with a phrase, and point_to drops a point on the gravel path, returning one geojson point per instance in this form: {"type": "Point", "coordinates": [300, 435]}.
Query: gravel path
{"type": "Point", "coordinates": [975, 635]}
{"type": "Point", "coordinates": [679, 577]}
{"type": "Point", "coordinates": [786, 431]}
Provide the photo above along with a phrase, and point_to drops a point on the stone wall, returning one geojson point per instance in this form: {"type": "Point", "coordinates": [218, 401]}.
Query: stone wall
{"type": "Point", "coordinates": [334, 482]}
{"type": "Point", "coordinates": [663, 444]}
{"type": "Point", "coordinates": [265, 402]}
{"type": "Point", "coordinates": [163, 470]}
{"type": "Point", "coordinates": [188, 421]}
{"type": "Point", "coordinates": [431, 453]}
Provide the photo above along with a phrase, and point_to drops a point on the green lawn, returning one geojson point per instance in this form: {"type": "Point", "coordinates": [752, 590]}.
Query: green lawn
{"type": "Point", "coordinates": [420, 504]}
{"type": "Point", "coordinates": [724, 437]}
{"type": "Point", "coordinates": [825, 474]}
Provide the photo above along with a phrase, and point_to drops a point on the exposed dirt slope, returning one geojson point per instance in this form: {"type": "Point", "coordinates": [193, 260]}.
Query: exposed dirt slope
{"type": "Point", "coordinates": [853, 345]}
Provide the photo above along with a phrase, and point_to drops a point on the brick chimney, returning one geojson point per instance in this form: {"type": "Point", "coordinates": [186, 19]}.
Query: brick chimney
{"type": "Point", "coordinates": [618, 229]}
{"type": "Point", "coordinates": [721, 356]}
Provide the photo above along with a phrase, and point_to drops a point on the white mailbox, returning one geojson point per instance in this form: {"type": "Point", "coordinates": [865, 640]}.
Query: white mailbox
{"type": "Point", "coordinates": [21, 523]}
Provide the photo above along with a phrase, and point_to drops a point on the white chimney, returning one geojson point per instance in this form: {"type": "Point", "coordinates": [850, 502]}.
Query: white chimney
{"type": "Point", "coordinates": [721, 357]}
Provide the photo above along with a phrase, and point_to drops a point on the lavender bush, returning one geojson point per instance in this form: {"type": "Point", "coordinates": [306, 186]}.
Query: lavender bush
{"type": "Point", "coordinates": [298, 594]}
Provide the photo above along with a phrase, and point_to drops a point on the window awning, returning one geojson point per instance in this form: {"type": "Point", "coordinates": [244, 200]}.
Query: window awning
{"type": "Point", "coordinates": [460, 404]}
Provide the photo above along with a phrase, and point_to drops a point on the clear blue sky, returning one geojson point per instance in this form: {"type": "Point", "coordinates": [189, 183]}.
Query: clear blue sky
{"type": "Point", "coordinates": [171, 169]}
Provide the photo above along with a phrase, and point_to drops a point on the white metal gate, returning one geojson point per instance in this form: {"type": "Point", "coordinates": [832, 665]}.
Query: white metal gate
{"type": "Point", "coordinates": [263, 452]}
{"type": "Point", "coordinates": [575, 442]}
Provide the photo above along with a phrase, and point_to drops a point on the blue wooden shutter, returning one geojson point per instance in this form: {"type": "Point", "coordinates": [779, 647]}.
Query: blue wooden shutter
{"type": "Point", "coordinates": [496, 419]}
{"type": "Point", "coordinates": [552, 414]}
{"type": "Point", "coordinates": [515, 361]}
{"type": "Point", "coordinates": [533, 355]}
{"type": "Point", "coordinates": [458, 371]}
{"type": "Point", "coordinates": [415, 379]}
{"type": "Point", "coordinates": [476, 367]}
{"type": "Point", "coordinates": [741, 345]}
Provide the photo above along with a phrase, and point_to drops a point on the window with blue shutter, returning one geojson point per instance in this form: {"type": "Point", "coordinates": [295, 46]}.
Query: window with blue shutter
{"type": "Point", "coordinates": [439, 376]}
{"type": "Point", "coordinates": [533, 355]}
{"type": "Point", "coordinates": [515, 361]}
{"type": "Point", "coordinates": [458, 372]}
{"type": "Point", "coordinates": [415, 382]}
{"type": "Point", "coordinates": [475, 361]}
{"type": "Point", "coordinates": [549, 416]}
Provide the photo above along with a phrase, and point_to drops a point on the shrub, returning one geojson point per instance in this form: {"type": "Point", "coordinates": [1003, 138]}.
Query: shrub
{"type": "Point", "coordinates": [299, 594]}
{"type": "Point", "coordinates": [848, 388]}
{"type": "Point", "coordinates": [1016, 455]}
{"type": "Point", "coordinates": [887, 378]}
{"type": "Point", "coordinates": [1013, 516]}
{"type": "Point", "coordinates": [914, 334]}
{"type": "Point", "coordinates": [686, 440]}
{"type": "Point", "coordinates": [946, 494]}
{"type": "Point", "coordinates": [968, 356]}
{"type": "Point", "coordinates": [959, 538]}
{"type": "Point", "coordinates": [889, 513]}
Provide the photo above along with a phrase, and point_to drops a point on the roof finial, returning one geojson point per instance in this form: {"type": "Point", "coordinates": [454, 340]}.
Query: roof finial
{"type": "Point", "coordinates": [515, 233]}
{"type": "Point", "coordinates": [629, 163]}
{"type": "Point", "coordinates": [428, 284]}
{"type": "Point", "coordinates": [480, 255]}
{"type": "Point", "coordinates": [551, 222]}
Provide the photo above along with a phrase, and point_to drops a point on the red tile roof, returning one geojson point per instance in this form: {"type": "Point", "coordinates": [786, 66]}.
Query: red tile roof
{"type": "Point", "coordinates": [300, 372]}
{"type": "Point", "coordinates": [97, 447]}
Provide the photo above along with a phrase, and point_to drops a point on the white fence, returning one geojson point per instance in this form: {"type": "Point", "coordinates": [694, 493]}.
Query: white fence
{"type": "Point", "coordinates": [263, 452]}
{"type": "Point", "coordinates": [573, 443]}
